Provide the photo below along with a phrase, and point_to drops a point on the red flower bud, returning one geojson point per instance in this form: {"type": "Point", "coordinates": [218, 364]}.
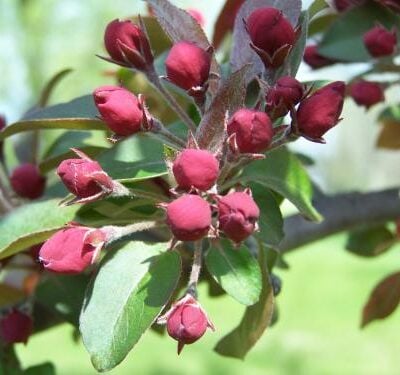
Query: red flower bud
{"type": "Point", "coordinates": [188, 66]}
{"type": "Point", "coordinates": [321, 111]}
{"type": "Point", "coordinates": [127, 44]}
{"type": "Point", "coordinates": [342, 5]}
{"type": "Point", "coordinates": [189, 217]}
{"type": "Point", "coordinates": [380, 41]}
{"type": "Point", "coordinates": [286, 93]}
{"type": "Point", "coordinates": [72, 250]}
{"type": "Point", "coordinates": [197, 15]}
{"type": "Point", "coordinates": [237, 215]}
{"type": "Point", "coordinates": [16, 327]}
{"type": "Point", "coordinates": [27, 181]}
{"type": "Point", "coordinates": [314, 59]}
{"type": "Point", "coordinates": [272, 35]}
{"type": "Point", "coordinates": [253, 130]}
{"type": "Point", "coordinates": [367, 93]}
{"type": "Point", "coordinates": [195, 168]}
{"type": "Point", "coordinates": [186, 321]}
{"type": "Point", "coordinates": [85, 178]}
{"type": "Point", "coordinates": [120, 109]}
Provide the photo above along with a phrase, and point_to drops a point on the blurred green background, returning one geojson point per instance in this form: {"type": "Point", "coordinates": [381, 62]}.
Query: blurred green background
{"type": "Point", "coordinates": [324, 289]}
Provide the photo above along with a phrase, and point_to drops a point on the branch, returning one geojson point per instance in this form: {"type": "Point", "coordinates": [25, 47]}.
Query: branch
{"type": "Point", "coordinates": [341, 212]}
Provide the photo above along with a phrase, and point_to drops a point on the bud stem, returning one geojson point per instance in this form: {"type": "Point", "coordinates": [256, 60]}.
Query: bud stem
{"type": "Point", "coordinates": [114, 233]}
{"type": "Point", "coordinates": [196, 268]}
{"type": "Point", "coordinates": [153, 77]}
{"type": "Point", "coordinates": [159, 129]}
{"type": "Point", "coordinates": [5, 201]}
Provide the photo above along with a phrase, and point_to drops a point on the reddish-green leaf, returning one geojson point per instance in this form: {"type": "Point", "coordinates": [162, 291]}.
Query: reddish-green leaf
{"type": "Point", "coordinates": [383, 300]}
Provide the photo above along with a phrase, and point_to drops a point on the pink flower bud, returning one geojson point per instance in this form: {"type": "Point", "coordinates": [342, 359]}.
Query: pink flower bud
{"type": "Point", "coordinates": [195, 169]}
{"type": "Point", "coordinates": [189, 217]}
{"type": "Point", "coordinates": [15, 327]}
{"type": "Point", "coordinates": [85, 178]}
{"type": "Point", "coordinates": [321, 111]}
{"type": "Point", "coordinates": [72, 250]}
{"type": "Point", "coordinates": [314, 59]}
{"type": "Point", "coordinates": [120, 109]}
{"type": "Point", "coordinates": [188, 66]}
{"type": "Point", "coordinates": [27, 181]}
{"type": "Point", "coordinates": [237, 215]}
{"type": "Point", "coordinates": [197, 15]}
{"type": "Point", "coordinates": [127, 44]}
{"type": "Point", "coordinates": [253, 130]}
{"type": "Point", "coordinates": [272, 35]}
{"type": "Point", "coordinates": [367, 93]}
{"type": "Point", "coordinates": [380, 41]}
{"type": "Point", "coordinates": [186, 321]}
{"type": "Point", "coordinates": [286, 93]}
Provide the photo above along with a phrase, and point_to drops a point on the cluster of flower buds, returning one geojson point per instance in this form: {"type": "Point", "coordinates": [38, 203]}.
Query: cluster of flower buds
{"type": "Point", "coordinates": [380, 42]}
{"type": "Point", "coordinates": [27, 182]}
{"type": "Point", "coordinates": [190, 215]}
{"type": "Point", "coordinates": [15, 327]}
{"type": "Point", "coordinates": [272, 35]}
{"type": "Point", "coordinates": [366, 93]}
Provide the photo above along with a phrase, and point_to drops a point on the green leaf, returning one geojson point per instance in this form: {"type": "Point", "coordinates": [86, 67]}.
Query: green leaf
{"type": "Point", "coordinates": [236, 270]}
{"type": "Point", "coordinates": [129, 291]}
{"type": "Point", "coordinates": [134, 159]}
{"type": "Point", "coordinates": [271, 221]}
{"type": "Point", "coordinates": [46, 368]}
{"type": "Point", "coordinates": [343, 41]}
{"type": "Point", "coordinates": [256, 319]}
{"type": "Point", "coordinates": [78, 114]}
{"type": "Point", "coordinates": [370, 242]}
{"type": "Point", "coordinates": [296, 54]}
{"type": "Point", "coordinates": [51, 85]}
{"type": "Point", "coordinates": [383, 300]}
{"type": "Point", "coordinates": [32, 224]}
{"type": "Point", "coordinates": [63, 295]}
{"type": "Point", "coordinates": [281, 171]}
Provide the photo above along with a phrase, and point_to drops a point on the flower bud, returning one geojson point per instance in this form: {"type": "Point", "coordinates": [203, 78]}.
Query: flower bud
{"type": "Point", "coordinates": [286, 93]}
{"type": "Point", "coordinates": [271, 34]}
{"type": "Point", "coordinates": [343, 5]}
{"type": "Point", "coordinates": [15, 327]}
{"type": "Point", "coordinates": [195, 169]}
{"type": "Point", "coordinates": [197, 15]}
{"type": "Point", "coordinates": [27, 181]}
{"type": "Point", "coordinates": [321, 111]}
{"type": "Point", "coordinates": [380, 41]}
{"type": "Point", "coordinates": [85, 178]}
{"type": "Point", "coordinates": [119, 109]}
{"type": "Point", "coordinates": [72, 249]}
{"type": "Point", "coordinates": [189, 217]}
{"type": "Point", "coordinates": [127, 44]}
{"type": "Point", "coordinates": [314, 59]}
{"type": "Point", "coordinates": [367, 93]}
{"type": "Point", "coordinates": [253, 130]}
{"type": "Point", "coordinates": [188, 66]}
{"type": "Point", "coordinates": [237, 215]}
{"type": "Point", "coordinates": [186, 321]}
